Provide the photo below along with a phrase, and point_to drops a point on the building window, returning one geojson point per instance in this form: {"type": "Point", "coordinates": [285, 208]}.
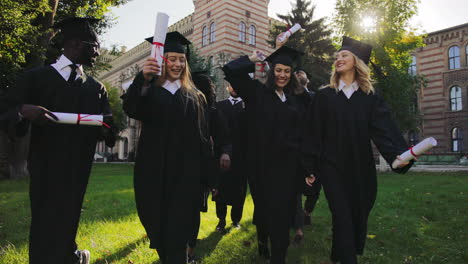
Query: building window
{"type": "Point", "coordinates": [457, 140]}
{"type": "Point", "coordinates": [125, 147]}
{"type": "Point", "coordinates": [212, 32]}
{"type": "Point", "coordinates": [252, 35]}
{"type": "Point", "coordinates": [454, 57]}
{"type": "Point", "coordinates": [456, 98]}
{"type": "Point", "coordinates": [204, 36]}
{"type": "Point", "coordinates": [242, 32]}
{"type": "Point", "coordinates": [412, 67]}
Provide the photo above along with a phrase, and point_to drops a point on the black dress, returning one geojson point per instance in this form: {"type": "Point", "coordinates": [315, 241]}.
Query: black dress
{"type": "Point", "coordinates": [338, 150]}
{"type": "Point", "coordinates": [60, 157]}
{"type": "Point", "coordinates": [168, 167]}
{"type": "Point", "coordinates": [271, 157]}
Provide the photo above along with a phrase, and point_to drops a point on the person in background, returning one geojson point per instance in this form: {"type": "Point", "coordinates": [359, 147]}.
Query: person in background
{"type": "Point", "coordinates": [233, 182]}
{"type": "Point", "coordinates": [221, 153]}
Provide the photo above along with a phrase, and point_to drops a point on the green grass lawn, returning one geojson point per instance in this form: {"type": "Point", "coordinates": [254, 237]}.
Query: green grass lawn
{"type": "Point", "coordinates": [418, 218]}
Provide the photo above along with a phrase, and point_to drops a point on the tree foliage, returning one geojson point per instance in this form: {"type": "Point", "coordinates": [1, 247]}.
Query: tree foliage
{"type": "Point", "coordinates": [393, 41]}
{"type": "Point", "coordinates": [315, 41]}
{"type": "Point", "coordinates": [118, 115]}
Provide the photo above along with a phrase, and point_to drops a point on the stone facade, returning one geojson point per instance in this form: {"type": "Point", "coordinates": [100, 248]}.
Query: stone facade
{"type": "Point", "coordinates": [443, 103]}
{"type": "Point", "coordinates": [220, 30]}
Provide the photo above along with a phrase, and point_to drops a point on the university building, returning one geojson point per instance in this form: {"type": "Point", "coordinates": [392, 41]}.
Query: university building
{"type": "Point", "coordinates": [443, 102]}
{"type": "Point", "coordinates": [220, 30]}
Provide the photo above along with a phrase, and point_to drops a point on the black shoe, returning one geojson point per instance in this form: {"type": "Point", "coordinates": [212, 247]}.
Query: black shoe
{"type": "Point", "coordinates": [84, 256]}
{"type": "Point", "coordinates": [191, 259]}
{"type": "Point", "coordinates": [221, 226]}
{"type": "Point", "coordinates": [236, 225]}
{"type": "Point", "coordinates": [298, 239]}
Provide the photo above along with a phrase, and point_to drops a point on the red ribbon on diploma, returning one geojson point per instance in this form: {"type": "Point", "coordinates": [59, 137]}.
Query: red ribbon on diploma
{"type": "Point", "coordinates": [83, 118]}
{"type": "Point", "coordinates": [158, 45]}
{"type": "Point", "coordinates": [262, 69]}
{"type": "Point", "coordinates": [412, 152]}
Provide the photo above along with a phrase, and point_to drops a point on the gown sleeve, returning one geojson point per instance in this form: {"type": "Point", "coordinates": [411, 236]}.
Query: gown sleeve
{"type": "Point", "coordinates": [237, 74]}
{"type": "Point", "coordinates": [135, 104]}
{"type": "Point", "coordinates": [220, 133]}
{"type": "Point", "coordinates": [386, 135]}
{"type": "Point", "coordinates": [312, 134]}
{"type": "Point", "coordinates": [11, 101]}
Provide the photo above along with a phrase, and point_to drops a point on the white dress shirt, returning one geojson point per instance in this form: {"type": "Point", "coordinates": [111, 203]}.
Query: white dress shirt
{"type": "Point", "coordinates": [62, 66]}
{"type": "Point", "coordinates": [235, 100]}
{"type": "Point", "coordinates": [282, 96]}
{"type": "Point", "coordinates": [172, 87]}
{"type": "Point", "coordinates": [348, 90]}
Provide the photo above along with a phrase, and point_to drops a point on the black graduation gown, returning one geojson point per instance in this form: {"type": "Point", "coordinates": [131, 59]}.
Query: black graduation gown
{"type": "Point", "coordinates": [338, 150]}
{"type": "Point", "coordinates": [168, 166]}
{"type": "Point", "coordinates": [60, 157]}
{"type": "Point", "coordinates": [272, 149]}
{"type": "Point", "coordinates": [233, 182]}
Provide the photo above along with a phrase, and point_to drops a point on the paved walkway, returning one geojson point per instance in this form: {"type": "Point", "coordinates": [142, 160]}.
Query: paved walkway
{"type": "Point", "coordinates": [441, 168]}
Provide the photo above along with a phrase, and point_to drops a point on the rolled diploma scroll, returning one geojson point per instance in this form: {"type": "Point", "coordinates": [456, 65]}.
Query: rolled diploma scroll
{"type": "Point", "coordinates": [261, 56]}
{"type": "Point", "coordinates": [159, 37]}
{"type": "Point", "coordinates": [78, 119]}
{"type": "Point", "coordinates": [419, 149]}
{"type": "Point", "coordinates": [289, 32]}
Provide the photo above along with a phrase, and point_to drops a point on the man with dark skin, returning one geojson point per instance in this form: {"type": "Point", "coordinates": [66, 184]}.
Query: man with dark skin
{"type": "Point", "coordinates": [60, 156]}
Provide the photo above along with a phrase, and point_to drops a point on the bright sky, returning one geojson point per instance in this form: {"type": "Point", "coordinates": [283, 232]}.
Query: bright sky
{"type": "Point", "coordinates": [135, 20]}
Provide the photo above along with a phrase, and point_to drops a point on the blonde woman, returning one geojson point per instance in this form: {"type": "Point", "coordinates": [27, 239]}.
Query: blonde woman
{"type": "Point", "coordinates": [171, 149]}
{"type": "Point", "coordinates": [343, 120]}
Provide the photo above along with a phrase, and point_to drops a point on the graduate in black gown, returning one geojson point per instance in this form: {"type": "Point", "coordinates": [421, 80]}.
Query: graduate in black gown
{"type": "Point", "coordinates": [60, 155]}
{"type": "Point", "coordinates": [272, 142]}
{"type": "Point", "coordinates": [221, 152]}
{"type": "Point", "coordinates": [303, 96]}
{"type": "Point", "coordinates": [343, 120]}
{"type": "Point", "coordinates": [233, 182]}
{"type": "Point", "coordinates": [171, 150]}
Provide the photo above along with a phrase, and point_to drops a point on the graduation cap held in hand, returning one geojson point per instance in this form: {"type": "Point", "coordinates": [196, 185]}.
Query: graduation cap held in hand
{"type": "Point", "coordinates": [358, 48]}
{"type": "Point", "coordinates": [175, 42]}
{"type": "Point", "coordinates": [286, 56]}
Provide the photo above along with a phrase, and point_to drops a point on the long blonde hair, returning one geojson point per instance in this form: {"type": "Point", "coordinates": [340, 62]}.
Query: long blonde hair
{"type": "Point", "coordinates": [362, 76]}
{"type": "Point", "coordinates": [190, 93]}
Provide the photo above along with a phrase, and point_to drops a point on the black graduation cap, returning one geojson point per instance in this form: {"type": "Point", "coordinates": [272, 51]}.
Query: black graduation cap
{"type": "Point", "coordinates": [360, 49]}
{"type": "Point", "coordinates": [175, 42]}
{"type": "Point", "coordinates": [302, 69]}
{"type": "Point", "coordinates": [286, 56]}
{"type": "Point", "coordinates": [77, 27]}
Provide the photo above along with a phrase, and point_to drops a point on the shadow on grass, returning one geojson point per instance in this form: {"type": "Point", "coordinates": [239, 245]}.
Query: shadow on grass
{"type": "Point", "coordinates": [122, 252]}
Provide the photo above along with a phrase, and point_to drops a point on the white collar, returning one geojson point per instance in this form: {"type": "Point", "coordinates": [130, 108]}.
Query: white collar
{"type": "Point", "coordinates": [172, 87]}
{"type": "Point", "coordinates": [63, 64]}
{"type": "Point", "coordinates": [343, 85]}
{"type": "Point", "coordinates": [232, 99]}
{"type": "Point", "coordinates": [282, 97]}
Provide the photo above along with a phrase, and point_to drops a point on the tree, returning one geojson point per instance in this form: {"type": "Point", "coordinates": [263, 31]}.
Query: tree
{"type": "Point", "coordinates": [25, 28]}
{"type": "Point", "coordinates": [118, 115]}
{"type": "Point", "coordinates": [315, 41]}
{"type": "Point", "coordinates": [384, 25]}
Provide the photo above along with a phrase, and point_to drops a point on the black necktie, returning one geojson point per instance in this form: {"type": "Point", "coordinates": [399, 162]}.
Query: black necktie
{"type": "Point", "coordinates": [72, 77]}
{"type": "Point", "coordinates": [234, 101]}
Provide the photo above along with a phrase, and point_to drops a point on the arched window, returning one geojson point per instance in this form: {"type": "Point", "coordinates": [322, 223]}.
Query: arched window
{"type": "Point", "coordinates": [457, 140]}
{"type": "Point", "coordinates": [466, 52]}
{"type": "Point", "coordinates": [412, 68]}
{"type": "Point", "coordinates": [204, 36]}
{"type": "Point", "coordinates": [454, 57]}
{"type": "Point", "coordinates": [212, 32]}
{"type": "Point", "coordinates": [242, 32]}
{"type": "Point", "coordinates": [456, 98]}
{"type": "Point", "coordinates": [252, 35]}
